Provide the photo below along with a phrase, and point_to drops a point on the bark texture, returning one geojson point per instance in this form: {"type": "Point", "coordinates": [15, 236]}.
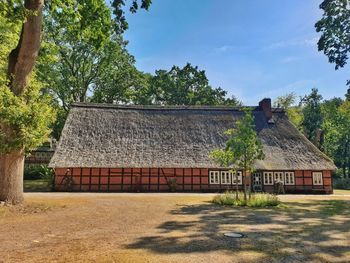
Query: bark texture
{"type": "Point", "coordinates": [11, 177]}
{"type": "Point", "coordinates": [20, 66]}
{"type": "Point", "coordinates": [22, 58]}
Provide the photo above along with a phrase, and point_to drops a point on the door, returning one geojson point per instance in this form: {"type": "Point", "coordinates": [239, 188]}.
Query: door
{"type": "Point", "coordinates": [257, 182]}
{"type": "Point", "coordinates": [137, 183]}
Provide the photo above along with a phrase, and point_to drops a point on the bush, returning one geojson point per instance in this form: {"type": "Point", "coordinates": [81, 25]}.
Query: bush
{"type": "Point", "coordinates": [256, 199]}
{"type": "Point", "coordinates": [38, 172]}
{"type": "Point", "coordinates": [341, 183]}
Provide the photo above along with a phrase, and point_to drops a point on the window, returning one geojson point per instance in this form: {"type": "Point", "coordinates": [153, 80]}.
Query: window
{"type": "Point", "coordinates": [257, 179]}
{"type": "Point", "coordinates": [289, 178]}
{"type": "Point", "coordinates": [214, 177]}
{"type": "Point", "coordinates": [237, 176]}
{"type": "Point", "coordinates": [268, 178]}
{"type": "Point", "coordinates": [225, 177]}
{"type": "Point", "coordinates": [317, 178]}
{"type": "Point", "coordinates": [278, 177]}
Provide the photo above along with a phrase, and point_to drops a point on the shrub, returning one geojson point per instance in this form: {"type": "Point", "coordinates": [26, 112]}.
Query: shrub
{"type": "Point", "coordinates": [38, 172]}
{"type": "Point", "coordinates": [256, 199]}
{"type": "Point", "coordinates": [342, 183]}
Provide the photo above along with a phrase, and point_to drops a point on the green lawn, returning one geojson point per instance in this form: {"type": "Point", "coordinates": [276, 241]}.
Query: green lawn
{"type": "Point", "coordinates": [40, 185]}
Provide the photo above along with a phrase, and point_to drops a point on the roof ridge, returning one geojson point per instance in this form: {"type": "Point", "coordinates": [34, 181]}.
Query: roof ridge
{"type": "Point", "coordinates": [165, 107]}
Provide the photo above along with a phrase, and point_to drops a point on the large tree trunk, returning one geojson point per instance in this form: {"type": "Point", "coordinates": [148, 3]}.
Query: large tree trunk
{"type": "Point", "coordinates": [22, 58]}
{"type": "Point", "coordinates": [11, 177]}
{"type": "Point", "coordinates": [21, 63]}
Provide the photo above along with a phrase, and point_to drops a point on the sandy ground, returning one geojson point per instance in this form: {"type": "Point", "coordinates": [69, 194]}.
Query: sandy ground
{"type": "Point", "coordinates": [85, 227]}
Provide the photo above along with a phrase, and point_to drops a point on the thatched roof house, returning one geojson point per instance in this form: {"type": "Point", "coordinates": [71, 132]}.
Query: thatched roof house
{"type": "Point", "coordinates": [114, 136]}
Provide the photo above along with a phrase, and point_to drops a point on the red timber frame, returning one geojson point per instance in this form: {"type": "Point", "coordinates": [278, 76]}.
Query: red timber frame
{"type": "Point", "coordinates": [158, 180]}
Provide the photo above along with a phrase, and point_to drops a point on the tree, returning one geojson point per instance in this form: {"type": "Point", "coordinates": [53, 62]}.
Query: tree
{"type": "Point", "coordinates": [287, 102]}
{"type": "Point", "coordinates": [24, 111]}
{"type": "Point", "coordinates": [242, 149]}
{"type": "Point", "coordinates": [82, 54]}
{"type": "Point", "coordinates": [344, 151]}
{"type": "Point", "coordinates": [312, 117]}
{"type": "Point", "coordinates": [347, 95]}
{"type": "Point", "coordinates": [334, 27]}
{"type": "Point", "coordinates": [82, 58]}
{"type": "Point", "coordinates": [336, 123]}
{"type": "Point", "coordinates": [185, 86]}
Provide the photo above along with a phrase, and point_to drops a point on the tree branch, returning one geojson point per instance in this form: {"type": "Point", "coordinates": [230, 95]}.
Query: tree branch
{"type": "Point", "coordinates": [22, 58]}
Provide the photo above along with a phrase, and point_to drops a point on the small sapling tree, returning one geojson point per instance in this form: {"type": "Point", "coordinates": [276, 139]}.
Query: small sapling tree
{"type": "Point", "coordinates": [241, 150]}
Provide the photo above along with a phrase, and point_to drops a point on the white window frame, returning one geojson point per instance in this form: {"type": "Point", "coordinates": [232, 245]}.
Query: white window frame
{"type": "Point", "coordinates": [268, 178]}
{"type": "Point", "coordinates": [214, 177]}
{"type": "Point", "coordinates": [317, 178]}
{"type": "Point", "coordinates": [278, 176]}
{"type": "Point", "coordinates": [225, 177]}
{"type": "Point", "coordinates": [238, 175]}
{"type": "Point", "coordinates": [289, 178]}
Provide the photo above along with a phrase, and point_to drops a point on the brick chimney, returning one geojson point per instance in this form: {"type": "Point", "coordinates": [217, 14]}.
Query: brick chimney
{"type": "Point", "coordinates": [265, 106]}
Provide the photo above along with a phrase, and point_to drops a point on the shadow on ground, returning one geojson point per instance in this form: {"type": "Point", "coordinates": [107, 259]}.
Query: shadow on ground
{"type": "Point", "coordinates": [308, 231]}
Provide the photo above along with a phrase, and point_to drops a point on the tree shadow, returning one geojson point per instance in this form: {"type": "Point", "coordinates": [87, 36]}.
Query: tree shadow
{"type": "Point", "coordinates": [315, 230]}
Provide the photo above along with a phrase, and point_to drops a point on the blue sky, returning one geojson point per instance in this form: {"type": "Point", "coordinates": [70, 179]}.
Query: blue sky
{"type": "Point", "coordinates": [251, 48]}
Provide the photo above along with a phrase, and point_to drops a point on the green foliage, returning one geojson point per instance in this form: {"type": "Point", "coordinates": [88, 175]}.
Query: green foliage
{"type": "Point", "coordinates": [26, 118]}
{"type": "Point", "coordinates": [295, 115]}
{"type": "Point", "coordinates": [256, 199]}
{"type": "Point", "coordinates": [185, 86]}
{"type": "Point", "coordinates": [38, 172]}
{"type": "Point", "coordinates": [287, 102]}
{"type": "Point", "coordinates": [82, 58]}
{"type": "Point", "coordinates": [336, 123]}
{"type": "Point", "coordinates": [9, 35]}
{"type": "Point", "coordinates": [312, 120]}
{"type": "Point", "coordinates": [335, 29]}
{"type": "Point", "coordinates": [243, 147]}
{"type": "Point", "coordinates": [341, 183]}
{"type": "Point", "coordinates": [121, 23]}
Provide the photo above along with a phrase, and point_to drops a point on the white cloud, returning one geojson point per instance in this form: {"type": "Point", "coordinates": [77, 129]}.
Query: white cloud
{"type": "Point", "coordinates": [223, 48]}
{"type": "Point", "coordinates": [311, 42]}
{"type": "Point", "coordinates": [227, 48]}
{"type": "Point", "coordinates": [287, 60]}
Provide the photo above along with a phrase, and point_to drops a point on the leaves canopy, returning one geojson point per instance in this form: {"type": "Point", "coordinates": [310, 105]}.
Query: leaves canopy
{"type": "Point", "coordinates": [287, 102]}
{"type": "Point", "coordinates": [312, 116]}
{"type": "Point", "coordinates": [334, 27]}
{"type": "Point", "coordinates": [118, 11]}
{"type": "Point", "coordinates": [25, 118]}
{"type": "Point", "coordinates": [243, 147]}
{"type": "Point", "coordinates": [185, 86]}
{"type": "Point", "coordinates": [82, 56]}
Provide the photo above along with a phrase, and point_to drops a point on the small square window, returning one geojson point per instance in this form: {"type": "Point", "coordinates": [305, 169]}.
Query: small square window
{"type": "Point", "coordinates": [278, 177]}
{"type": "Point", "coordinates": [289, 178]}
{"type": "Point", "coordinates": [317, 178]}
{"type": "Point", "coordinates": [225, 177]}
{"type": "Point", "coordinates": [268, 178]}
{"type": "Point", "coordinates": [237, 176]}
{"type": "Point", "coordinates": [214, 177]}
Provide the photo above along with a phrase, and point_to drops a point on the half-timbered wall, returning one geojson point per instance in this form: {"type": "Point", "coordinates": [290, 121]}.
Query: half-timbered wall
{"type": "Point", "coordinates": [171, 179]}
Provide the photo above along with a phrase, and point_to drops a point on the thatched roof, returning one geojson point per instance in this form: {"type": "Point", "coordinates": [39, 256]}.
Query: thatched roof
{"type": "Point", "coordinates": [100, 135]}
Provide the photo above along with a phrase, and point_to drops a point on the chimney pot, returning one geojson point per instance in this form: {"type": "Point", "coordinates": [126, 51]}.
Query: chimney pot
{"type": "Point", "coordinates": [265, 106]}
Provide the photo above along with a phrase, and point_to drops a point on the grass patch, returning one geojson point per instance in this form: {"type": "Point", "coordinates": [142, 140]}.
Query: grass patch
{"type": "Point", "coordinates": [335, 207]}
{"type": "Point", "coordinates": [40, 185]}
{"type": "Point", "coordinates": [256, 200]}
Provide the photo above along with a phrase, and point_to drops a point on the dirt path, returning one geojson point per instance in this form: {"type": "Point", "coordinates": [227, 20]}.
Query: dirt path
{"type": "Point", "coordinates": [64, 227]}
